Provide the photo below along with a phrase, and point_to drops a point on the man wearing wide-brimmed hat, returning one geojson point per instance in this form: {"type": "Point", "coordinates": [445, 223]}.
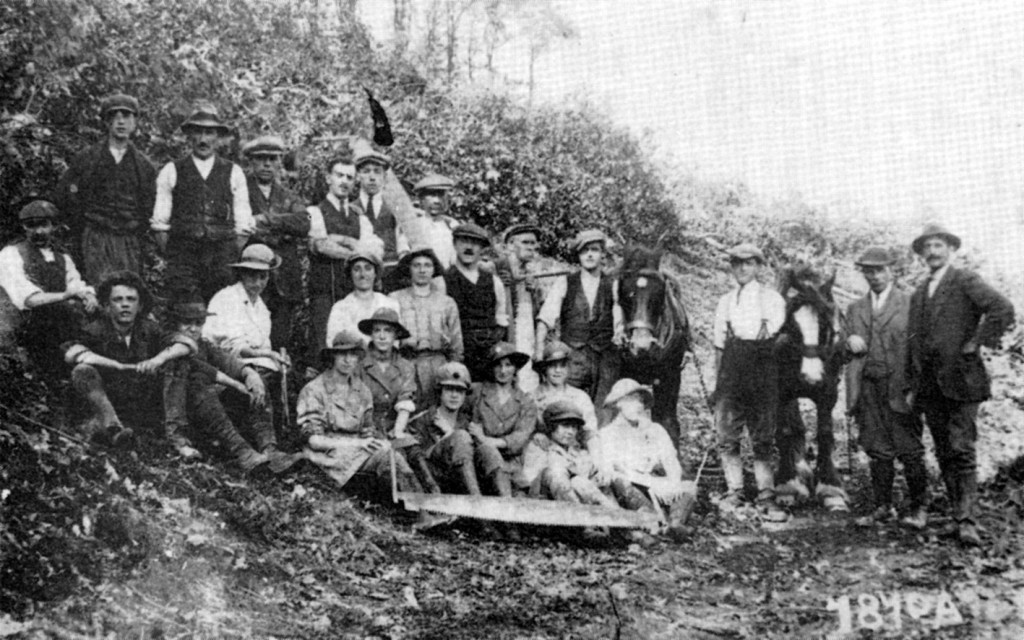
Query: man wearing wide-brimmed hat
{"type": "Point", "coordinates": [432, 318]}
{"type": "Point", "coordinates": [433, 193]}
{"type": "Point", "coordinates": [875, 330]}
{"type": "Point", "coordinates": [283, 225]}
{"type": "Point", "coordinates": [117, 361]}
{"type": "Point", "coordinates": [202, 216]}
{"type": "Point", "coordinates": [747, 320]}
{"type": "Point", "coordinates": [585, 307]}
{"type": "Point", "coordinates": [107, 194]}
{"type": "Point", "coordinates": [952, 314]}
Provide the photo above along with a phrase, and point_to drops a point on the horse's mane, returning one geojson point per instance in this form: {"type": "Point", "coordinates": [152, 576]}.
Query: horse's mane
{"type": "Point", "coordinates": [673, 325]}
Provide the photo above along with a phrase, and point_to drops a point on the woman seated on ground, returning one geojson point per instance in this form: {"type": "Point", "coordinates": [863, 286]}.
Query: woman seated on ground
{"type": "Point", "coordinates": [640, 455]}
{"type": "Point", "coordinates": [390, 377]}
{"type": "Point", "coordinates": [504, 418]}
{"type": "Point", "coordinates": [554, 372]}
{"type": "Point", "coordinates": [364, 269]}
{"type": "Point", "coordinates": [335, 417]}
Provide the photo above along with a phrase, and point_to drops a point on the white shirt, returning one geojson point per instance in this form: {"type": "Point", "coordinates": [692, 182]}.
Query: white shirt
{"type": "Point", "coordinates": [745, 307]}
{"type": "Point", "coordinates": [500, 310]}
{"type": "Point", "coordinates": [350, 310]}
{"type": "Point", "coordinates": [237, 323]}
{"type": "Point", "coordinates": [551, 310]}
{"type": "Point", "coordinates": [117, 153]}
{"type": "Point", "coordinates": [17, 285]}
{"type": "Point", "coordinates": [368, 240]}
{"type": "Point", "coordinates": [366, 222]}
{"type": "Point", "coordinates": [439, 238]}
{"type": "Point", "coordinates": [168, 178]}
{"type": "Point", "coordinates": [935, 279]}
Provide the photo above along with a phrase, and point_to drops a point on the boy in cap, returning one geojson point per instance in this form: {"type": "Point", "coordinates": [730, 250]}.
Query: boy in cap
{"type": "Point", "coordinates": [479, 296]}
{"type": "Point", "coordinates": [952, 313]}
{"type": "Point", "coordinates": [45, 287]}
{"type": "Point", "coordinates": [433, 193]}
{"type": "Point", "coordinates": [515, 269]}
{"type": "Point", "coordinates": [390, 377]}
{"type": "Point", "coordinates": [371, 168]}
{"type": "Point", "coordinates": [363, 270]}
{"type": "Point", "coordinates": [282, 224]}
{"type": "Point", "coordinates": [107, 194]}
{"type": "Point", "coordinates": [585, 306]}
{"type": "Point", "coordinates": [747, 321]}
{"type": "Point", "coordinates": [435, 333]}
{"type": "Point", "coordinates": [202, 217]}
{"type": "Point", "coordinates": [875, 330]}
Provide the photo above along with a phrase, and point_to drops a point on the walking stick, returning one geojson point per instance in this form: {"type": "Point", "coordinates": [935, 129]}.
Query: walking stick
{"type": "Point", "coordinates": [285, 411]}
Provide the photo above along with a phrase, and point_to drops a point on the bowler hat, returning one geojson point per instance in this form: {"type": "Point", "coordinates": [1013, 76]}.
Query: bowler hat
{"type": "Point", "coordinates": [473, 232]}
{"type": "Point", "coordinates": [875, 256]}
{"type": "Point", "coordinates": [384, 315]}
{"type": "Point", "coordinates": [264, 146]}
{"type": "Point", "coordinates": [454, 374]}
{"type": "Point", "coordinates": [343, 342]}
{"type": "Point", "coordinates": [373, 157]}
{"type": "Point", "coordinates": [119, 102]}
{"type": "Point", "coordinates": [194, 310]}
{"type": "Point", "coordinates": [627, 387]}
{"type": "Point", "coordinates": [932, 230]}
{"type": "Point", "coordinates": [38, 210]}
{"type": "Point", "coordinates": [406, 260]}
{"type": "Point", "coordinates": [433, 182]}
{"type": "Point", "coordinates": [745, 251]}
{"type": "Point", "coordinates": [205, 116]}
{"type": "Point", "coordinates": [502, 350]}
{"type": "Point", "coordinates": [561, 411]}
{"type": "Point", "coordinates": [554, 351]}
{"type": "Point", "coordinates": [521, 228]}
{"type": "Point", "coordinates": [588, 236]}
{"type": "Point", "coordinates": [258, 257]}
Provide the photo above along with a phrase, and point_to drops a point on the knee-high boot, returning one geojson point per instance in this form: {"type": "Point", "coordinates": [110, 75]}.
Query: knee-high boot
{"type": "Point", "coordinates": [882, 475]}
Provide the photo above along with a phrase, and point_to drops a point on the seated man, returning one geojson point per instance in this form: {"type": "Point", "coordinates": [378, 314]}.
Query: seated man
{"type": "Point", "coordinates": [390, 377]}
{"type": "Point", "coordinates": [44, 285]}
{"type": "Point", "coordinates": [116, 361]}
{"type": "Point", "coordinates": [192, 395]}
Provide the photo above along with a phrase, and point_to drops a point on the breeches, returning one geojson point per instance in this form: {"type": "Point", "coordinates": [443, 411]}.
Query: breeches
{"type": "Point", "coordinates": [116, 398]}
{"type": "Point", "coordinates": [732, 415]}
{"type": "Point", "coordinates": [104, 252]}
{"type": "Point", "coordinates": [886, 434]}
{"type": "Point", "coordinates": [199, 266]}
{"type": "Point", "coordinates": [953, 428]}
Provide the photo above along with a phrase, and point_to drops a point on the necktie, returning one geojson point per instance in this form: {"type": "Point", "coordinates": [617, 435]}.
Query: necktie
{"type": "Point", "coordinates": [370, 212]}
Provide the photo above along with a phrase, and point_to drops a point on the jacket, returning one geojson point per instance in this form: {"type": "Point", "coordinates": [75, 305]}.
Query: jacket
{"type": "Point", "coordinates": [890, 327]}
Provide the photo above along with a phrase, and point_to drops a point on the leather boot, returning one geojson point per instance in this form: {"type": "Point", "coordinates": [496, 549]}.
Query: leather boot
{"type": "Point", "coordinates": [882, 476]}
{"type": "Point", "coordinates": [917, 481]}
{"type": "Point", "coordinates": [952, 490]}
{"type": "Point", "coordinates": [963, 511]}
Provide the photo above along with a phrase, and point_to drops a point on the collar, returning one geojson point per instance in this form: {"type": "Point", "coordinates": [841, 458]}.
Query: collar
{"type": "Point", "coordinates": [204, 164]}
{"type": "Point", "coordinates": [937, 276]}
{"type": "Point", "coordinates": [881, 297]}
{"type": "Point", "coordinates": [336, 202]}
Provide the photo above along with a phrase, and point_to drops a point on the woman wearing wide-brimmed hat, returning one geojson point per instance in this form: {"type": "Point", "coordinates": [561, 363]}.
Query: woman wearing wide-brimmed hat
{"type": "Point", "coordinates": [390, 377]}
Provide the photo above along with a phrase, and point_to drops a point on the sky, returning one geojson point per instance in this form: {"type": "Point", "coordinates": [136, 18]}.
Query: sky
{"type": "Point", "coordinates": [911, 110]}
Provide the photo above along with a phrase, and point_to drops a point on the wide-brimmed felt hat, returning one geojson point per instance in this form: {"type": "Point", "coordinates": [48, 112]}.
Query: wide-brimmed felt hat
{"type": "Point", "coordinates": [384, 315]}
{"type": "Point", "coordinates": [554, 351]}
{"type": "Point", "coordinates": [588, 236]}
{"type": "Point", "coordinates": [454, 374]}
{"type": "Point", "coordinates": [745, 251]}
{"type": "Point", "coordinates": [560, 411]}
{"type": "Point", "coordinates": [257, 257]}
{"type": "Point", "coordinates": [932, 230]}
{"type": "Point", "coordinates": [119, 102]}
{"type": "Point", "coordinates": [473, 232]}
{"type": "Point", "coordinates": [127, 279]}
{"type": "Point", "coordinates": [264, 146]}
{"type": "Point", "coordinates": [342, 342]}
{"type": "Point", "coordinates": [362, 253]}
{"type": "Point", "coordinates": [193, 310]}
{"type": "Point", "coordinates": [627, 387]}
{"type": "Point", "coordinates": [38, 210]}
{"type": "Point", "coordinates": [521, 228]}
{"type": "Point", "coordinates": [504, 349]}
{"type": "Point", "coordinates": [433, 182]}
{"type": "Point", "coordinates": [406, 261]}
{"type": "Point", "coordinates": [205, 116]}
{"type": "Point", "coordinates": [372, 157]}
{"type": "Point", "coordinates": [875, 256]}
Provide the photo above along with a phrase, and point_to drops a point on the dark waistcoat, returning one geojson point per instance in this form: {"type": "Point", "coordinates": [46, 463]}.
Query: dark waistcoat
{"type": "Point", "coordinates": [582, 325]}
{"type": "Point", "coordinates": [476, 302]}
{"type": "Point", "coordinates": [201, 209]}
{"type": "Point", "coordinates": [51, 277]}
{"type": "Point", "coordinates": [322, 268]}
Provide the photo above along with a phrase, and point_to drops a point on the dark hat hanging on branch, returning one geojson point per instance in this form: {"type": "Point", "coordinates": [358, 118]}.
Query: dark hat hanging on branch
{"type": "Point", "coordinates": [381, 127]}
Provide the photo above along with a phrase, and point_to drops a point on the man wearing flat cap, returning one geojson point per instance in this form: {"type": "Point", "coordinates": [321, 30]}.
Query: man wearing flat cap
{"type": "Point", "coordinates": [433, 192]}
{"type": "Point", "coordinates": [202, 216]}
{"type": "Point", "coordinates": [282, 224]}
{"type": "Point", "coordinates": [107, 194]}
{"type": "Point", "coordinates": [516, 268]}
{"type": "Point", "coordinates": [952, 313]}
{"type": "Point", "coordinates": [371, 171]}
{"type": "Point", "coordinates": [585, 306]}
{"type": "Point", "coordinates": [747, 320]}
{"type": "Point", "coordinates": [44, 285]}
{"type": "Point", "coordinates": [875, 330]}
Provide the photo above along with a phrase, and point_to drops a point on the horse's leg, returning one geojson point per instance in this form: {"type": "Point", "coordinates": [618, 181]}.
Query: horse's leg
{"type": "Point", "coordinates": [666, 403]}
{"type": "Point", "coordinates": [790, 439]}
{"type": "Point", "coordinates": [829, 487]}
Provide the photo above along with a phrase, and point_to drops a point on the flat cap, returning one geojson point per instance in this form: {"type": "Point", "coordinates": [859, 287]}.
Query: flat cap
{"type": "Point", "coordinates": [372, 157]}
{"type": "Point", "coordinates": [933, 230]}
{"type": "Point", "coordinates": [258, 257]}
{"type": "Point", "coordinates": [264, 146]}
{"type": "Point", "coordinates": [205, 116]}
{"type": "Point", "coordinates": [473, 232]}
{"type": "Point", "coordinates": [875, 256]}
{"type": "Point", "coordinates": [119, 102]}
{"type": "Point", "coordinates": [518, 229]}
{"type": "Point", "coordinates": [745, 251]}
{"type": "Point", "coordinates": [38, 210]}
{"type": "Point", "coordinates": [454, 374]}
{"type": "Point", "coordinates": [433, 182]}
{"type": "Point", "coordinates": [588, 236]}
{"type": "Point", "coordinates": [627, 387]}
{"type": "Point", "coordinates": [562, 411]}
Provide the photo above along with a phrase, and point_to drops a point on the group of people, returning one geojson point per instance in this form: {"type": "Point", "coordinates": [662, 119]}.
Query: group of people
{"type": "Point", "coordinates": [428, 361]}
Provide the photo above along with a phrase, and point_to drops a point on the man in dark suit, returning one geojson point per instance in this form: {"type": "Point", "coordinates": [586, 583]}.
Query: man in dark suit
{"type": "Point", "coordinates": [951, 314]}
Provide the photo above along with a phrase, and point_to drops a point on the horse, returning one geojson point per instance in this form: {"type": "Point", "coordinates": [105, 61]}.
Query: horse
{"type": "Point", "coordinates": [657, 332]}
{"type": "Point", "coordinates": [809, 365]}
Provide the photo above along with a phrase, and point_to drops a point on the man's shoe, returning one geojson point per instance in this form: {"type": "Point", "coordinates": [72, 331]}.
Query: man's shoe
{"type": "Point", "coordinates": [731, 501]}
{"type": "Point", "coordinates": [281, 461]}
{"type": "Point", "coordinates": [120, 436]}
{"type": "Point", "coordinates": [250, 460]}
{"type": "Point", "coordinates": [917, 519]}
{"type": "Point", "coordinates": [882, 514]}
{"type": "Point", "coordinates": [968, 534]}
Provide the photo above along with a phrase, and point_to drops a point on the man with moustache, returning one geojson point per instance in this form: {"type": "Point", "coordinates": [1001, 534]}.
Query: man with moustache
{"type": "Point", "coordinates": [282, 224]}
{"type": "Point", "coordinates": [107, 194]}
{"type": "Point", "coordinates": [45, 286]}
{"type": "Point", "coordinates": [951, 315]}
{"type": "Point", "coordinates": [479, 296]}
{"type": "Point", "coordinates": [202, 217]}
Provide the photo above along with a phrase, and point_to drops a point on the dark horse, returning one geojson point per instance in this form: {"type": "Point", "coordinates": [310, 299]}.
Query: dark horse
{"type": "Point", "coordinates": [657, 332]}
{"type": "Point", "coordinates": [809, 361]}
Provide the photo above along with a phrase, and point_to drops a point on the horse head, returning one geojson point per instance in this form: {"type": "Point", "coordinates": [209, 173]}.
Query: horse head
{"type": "Point", "coordinates": [810, 317]}
{"type": "Point", "coordinates": [654, 318]}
